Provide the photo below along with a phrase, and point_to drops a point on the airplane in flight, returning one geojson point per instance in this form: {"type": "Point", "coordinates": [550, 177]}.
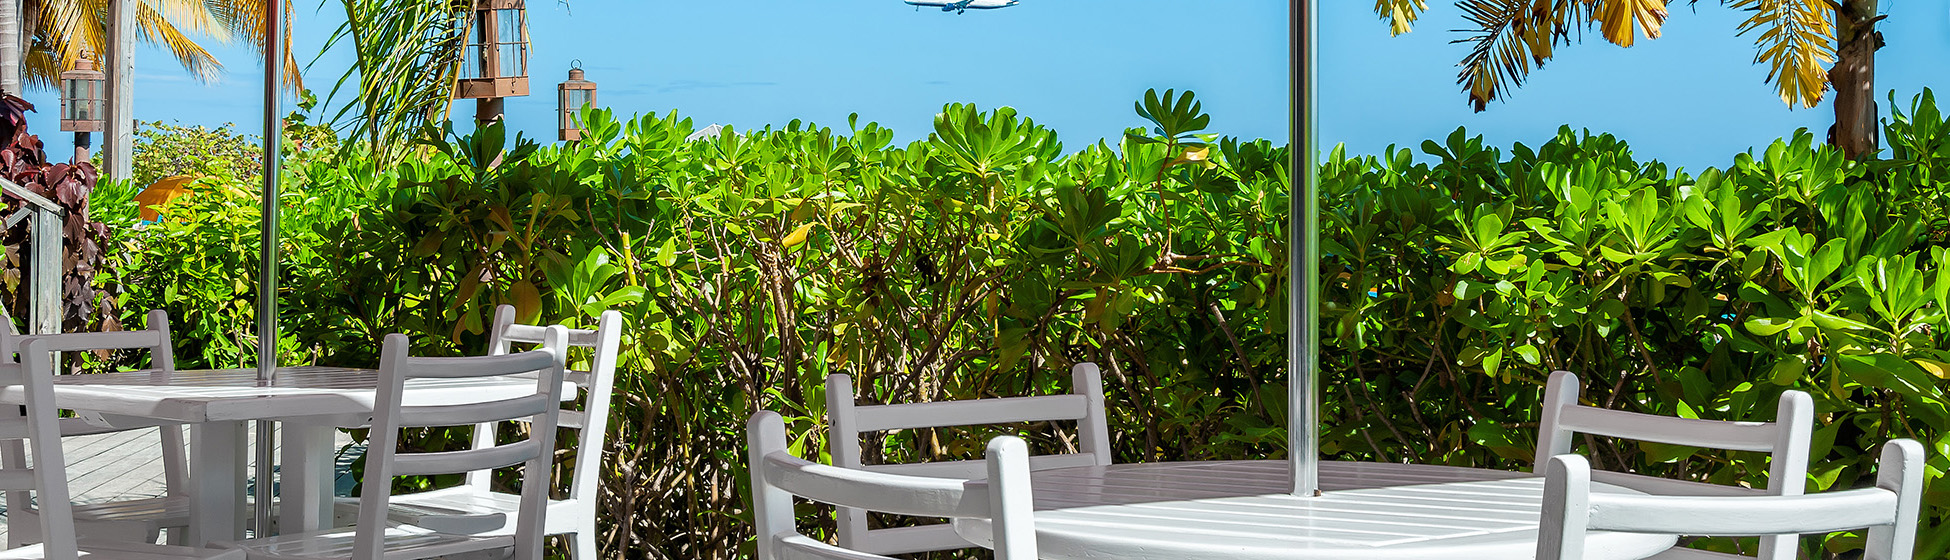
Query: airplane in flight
{"type": "Point", "coordinates": [961, 6]}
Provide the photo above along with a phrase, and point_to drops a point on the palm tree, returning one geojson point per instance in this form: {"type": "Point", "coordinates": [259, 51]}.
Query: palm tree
{"type": "Point", "coordinates": [1795, 38]}
{"type": "Point", "coordinates": [61, 32]}
{"type": "Point", "coordinates": [407, 56]}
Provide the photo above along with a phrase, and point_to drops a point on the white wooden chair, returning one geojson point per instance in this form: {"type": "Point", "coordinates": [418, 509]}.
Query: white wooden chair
{"type": "Point", "coordinates": [1787, 439]}
{"type": "Point", "coordinates": [1889, 510]}
{"type": "Point", "coordinates": [777, 476]}
{"type": "Point", "coordinates": [48, 478]}
{"type": "Point", "coordinates": [374, 538]}
{"type": "Point", "coordinates": [131, 520]}
{"type": "Point", "coordinates": [475, 507]}
{"type": "Point", "coordinates": [847, 421]}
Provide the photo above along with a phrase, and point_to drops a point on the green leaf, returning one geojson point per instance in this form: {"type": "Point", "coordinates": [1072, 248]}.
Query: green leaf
{"type": "Point", "coordinates": [1788, 370]}
{"type": "Point", "coordinates": [667, 255]}
{"type": "Point", "coordinates": [1768, 326]}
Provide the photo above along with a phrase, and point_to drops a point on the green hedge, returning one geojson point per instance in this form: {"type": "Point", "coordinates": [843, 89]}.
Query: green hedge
{"type": "Point", "coordinates": [986, 259]}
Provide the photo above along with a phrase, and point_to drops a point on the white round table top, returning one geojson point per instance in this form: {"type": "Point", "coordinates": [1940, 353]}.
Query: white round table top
{"type": "Point", "coordinates": [1244, 509]}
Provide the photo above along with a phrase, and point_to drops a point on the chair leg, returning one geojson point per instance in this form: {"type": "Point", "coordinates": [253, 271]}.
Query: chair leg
{"type": "Point", "coordinates": [582, 546]}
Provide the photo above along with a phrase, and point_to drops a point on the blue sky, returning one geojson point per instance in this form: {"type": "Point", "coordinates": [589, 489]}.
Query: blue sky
{"type": "Point", "coordinates": [1693, 98]}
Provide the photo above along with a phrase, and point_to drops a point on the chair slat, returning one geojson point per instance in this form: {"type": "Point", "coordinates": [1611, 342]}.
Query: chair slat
{"type": "Point", "coordinates": [532, 334]}
{"type": "Point", "coordinates": [970, 469]}
{"type": "Point", "coordinates": [570, 419]}
{"type": "Point", "coordinates": [473, 413]}
{"type": "Point", "coordinates": [448, 462]}
{"type": "Point", "coordinates": [1744, 516]}
{"type": "Point", "coordinates": [891, 493]}
{"type": "Point", "coordinates": [15, 428]}
{"type": "Point", "coordinates": [1741, 436]}
{"type": "Point", "coordinates": [16, 479]}
{"type": "Point", "coordinates": [75, 342]}
{"type": "Point", "coordinates": [793, 546]}
{"type": "Point", "coordinates": [526, 334]}
{"type": "Point", "coordinates": [481, 366]}
{"type": "Point", "coordinates": [1671, 487]}
{"type": "Point", "coordinates": [885, 417]}
{"type": "Point", "coordinates": [910, 539]}
{"type": "Point", "coordinates": [937, 469]}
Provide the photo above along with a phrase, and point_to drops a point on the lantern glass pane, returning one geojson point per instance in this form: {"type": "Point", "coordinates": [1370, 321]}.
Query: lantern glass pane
{"type": "Point", "coordinates": [70, 99]}
{"type": "Point", "coordinates": [576, 99]}
{"type": "Point", "coordinates": [473, 53]}
{"type": "Point", "coordinates": [513, 52]}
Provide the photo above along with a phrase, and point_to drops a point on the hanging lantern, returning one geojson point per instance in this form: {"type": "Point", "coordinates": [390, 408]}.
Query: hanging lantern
{"type": "Point", "coordinates": [573, 95]}
{"type": "Point", "coordinates": [494, 62]}
{"type": "Point", "coordinates": [84, 98]}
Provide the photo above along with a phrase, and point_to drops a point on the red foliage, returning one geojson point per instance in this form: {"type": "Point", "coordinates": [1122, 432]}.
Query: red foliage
{"type": "Point", "coordinates": [23, 161]}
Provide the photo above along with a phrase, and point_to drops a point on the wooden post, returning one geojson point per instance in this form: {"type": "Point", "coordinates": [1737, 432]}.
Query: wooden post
{"type": "Point", "coordinates": [45, 313]}
{"type": "Point", "coordinates": [489, 109]}
{"type": "Point", "coordinates": [118, 138]}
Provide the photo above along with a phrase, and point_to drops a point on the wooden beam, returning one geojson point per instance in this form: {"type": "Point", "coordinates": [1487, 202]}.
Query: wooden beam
{"type": "Point", "coordinates": [118, 142]}
{"type": "Point", "coordinates": [17, 191]}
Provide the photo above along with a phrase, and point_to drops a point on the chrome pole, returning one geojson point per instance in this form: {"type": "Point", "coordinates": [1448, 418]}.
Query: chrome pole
{"type": "Point", "coordinates": [267, 271]}
{"type": "Point", "coordinates": [1303, 256]}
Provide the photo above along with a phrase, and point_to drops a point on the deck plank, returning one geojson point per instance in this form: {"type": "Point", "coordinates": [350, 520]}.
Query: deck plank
{"type": "Point", "coordinates": [128, 465]}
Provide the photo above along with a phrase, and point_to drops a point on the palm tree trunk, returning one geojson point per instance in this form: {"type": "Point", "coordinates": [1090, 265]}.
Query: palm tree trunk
{"type": "Point", "coordinates": [1854, 78]}
{"type": "Point", "coordinates": [10, 46]}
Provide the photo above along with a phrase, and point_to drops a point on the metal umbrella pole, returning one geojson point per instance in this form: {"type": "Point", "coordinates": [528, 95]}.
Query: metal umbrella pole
{"type": "Point", "coordinates": [1303, 256]}
{"type": "Point", "coordinates": [267, 271]}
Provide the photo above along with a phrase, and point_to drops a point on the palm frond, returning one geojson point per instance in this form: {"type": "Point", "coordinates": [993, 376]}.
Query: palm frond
{"type": "Point", "coordinates": [40, 69]}
{"type": "Point", "coordinates": [1796, 40]}
{"type": "Point", "coordinates": [407, 58]}
{"type": "Point", "coordinates": [69, 30]}
{"type": "Point", "coordinates": [245, 19]}
{"type": "Point", "coordinates": [72, 29]}
{"type": "Point", "coordinates": [190, 17]}
{"type": "Point", "coordinates": [1400, 14]}
{"type": "Point", "coordinates": [1621, 21]}
{"type": "Point", "coordinates": [1511, 36]}
{"type": "Point", "coordinates": [151, 25]}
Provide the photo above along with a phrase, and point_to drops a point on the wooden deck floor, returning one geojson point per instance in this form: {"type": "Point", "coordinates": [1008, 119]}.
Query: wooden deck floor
{"type": "Point", "coordinates": [128, 465]}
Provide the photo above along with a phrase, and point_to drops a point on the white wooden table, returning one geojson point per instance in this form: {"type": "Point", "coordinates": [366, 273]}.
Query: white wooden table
{"type": "Point", "coordinates": [309, 401]}
{"type": "Point", "coordinates": [1244, 510]}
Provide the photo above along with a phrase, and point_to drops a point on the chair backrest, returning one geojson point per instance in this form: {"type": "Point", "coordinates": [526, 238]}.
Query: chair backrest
{"type": "Point", "coordinates": [384, 461]}
{"type": "Point", "coordinates": [1787, 439]}
{"type": "Point", "coordinates": [1889, 510]}
{"type": "Point", "coordinates": [777, 476]}
{"type": "Point", "coordinates": [847, 421]}
{"type": "Point", "coordinates": [592, 422]}
{"type": "Point", "coordinates": [155, 338]}
{"type": "Point", "coordinates": [48, 478]}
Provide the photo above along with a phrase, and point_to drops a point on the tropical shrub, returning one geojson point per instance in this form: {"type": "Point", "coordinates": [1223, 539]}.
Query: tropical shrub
{"type": "Point", "coordinates": [987, 258]}
{"type": "Point", "coordinates": [164, 149]}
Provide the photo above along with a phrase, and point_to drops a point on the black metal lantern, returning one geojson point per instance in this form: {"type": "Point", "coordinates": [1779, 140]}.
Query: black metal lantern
{"type": "Point", "coordinates": [571, 97]}
{"type": "Point", "coordinates": [84, 98]}
{"type": "Point", "coordinates": [494, 60]}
